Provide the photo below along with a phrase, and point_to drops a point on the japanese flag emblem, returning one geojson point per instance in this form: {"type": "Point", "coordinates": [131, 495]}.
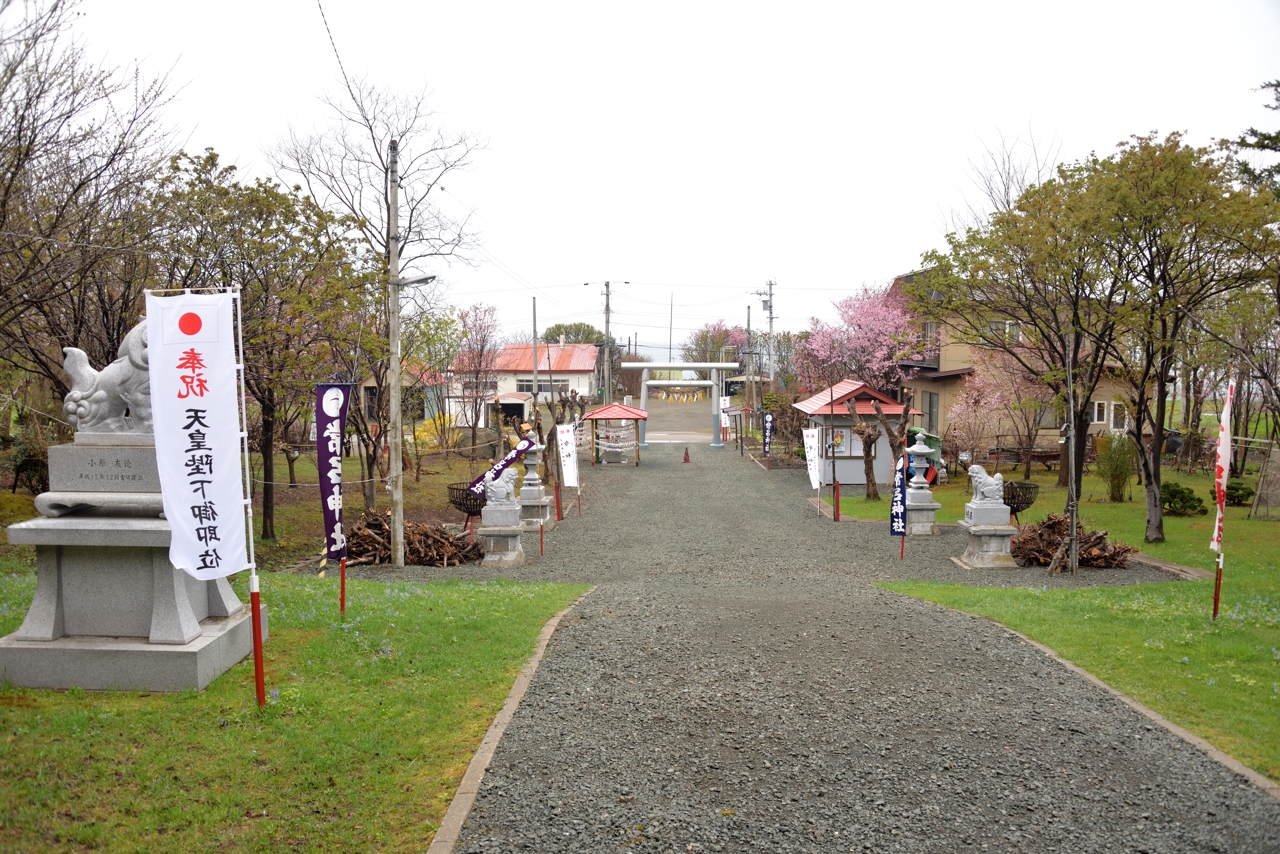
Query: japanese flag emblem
{"type": "Point", "coordinates": [193, 324]}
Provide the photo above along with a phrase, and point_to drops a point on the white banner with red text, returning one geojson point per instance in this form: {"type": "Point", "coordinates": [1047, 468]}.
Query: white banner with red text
{"type": "Point", "coordinates": [195, 410]}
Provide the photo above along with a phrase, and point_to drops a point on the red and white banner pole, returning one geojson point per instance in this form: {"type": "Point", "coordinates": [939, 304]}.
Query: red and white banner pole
{"type": "Point", "coordinates": [1221, 468]}
{"type": "Point", "coordinates": [342, 587]}
{"type": "Point", "coordinates": [255, 602]}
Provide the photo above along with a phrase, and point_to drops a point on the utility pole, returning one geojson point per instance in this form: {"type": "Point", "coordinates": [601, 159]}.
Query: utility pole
{"type": "Point", "coordinates": [608, 348]}
{"type": "Point", "coordinates": [750, 353]}
{"type": "Point", "coordinates": [393, 334]}
{"type": "Point", "coordinates": [671, 319]}
{"type": "Point", "coordinates": [534, 418]}
{"type": "Point", "coordinates": [1073, 547]}
{"type": "Point", "coordinates": [767, 304]}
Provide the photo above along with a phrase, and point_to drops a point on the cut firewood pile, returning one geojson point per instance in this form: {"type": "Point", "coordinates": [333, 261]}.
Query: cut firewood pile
{"type": "Point", "coordinates": [1045, 544]}
{"type": "Point", "coordinates": [369, 543]}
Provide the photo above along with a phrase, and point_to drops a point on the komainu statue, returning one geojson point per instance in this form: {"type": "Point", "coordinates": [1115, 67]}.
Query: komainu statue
{"type": "Point", "coordinates": [116, 399]}
{"type": "Point", "coordinates": [986, 489]}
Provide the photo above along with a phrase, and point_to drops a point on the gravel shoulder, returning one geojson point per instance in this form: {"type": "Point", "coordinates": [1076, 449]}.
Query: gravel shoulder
{"type": "Point", "coordinates": [735, 683]}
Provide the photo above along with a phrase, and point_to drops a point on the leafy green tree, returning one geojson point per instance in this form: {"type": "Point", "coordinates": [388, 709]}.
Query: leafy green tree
{"type": "Point", "coordinates": [1263, 140]}
{"type": "Point", "coordinates": [574, 333]}
{"type": "Point", "coordinates": [295, 267]}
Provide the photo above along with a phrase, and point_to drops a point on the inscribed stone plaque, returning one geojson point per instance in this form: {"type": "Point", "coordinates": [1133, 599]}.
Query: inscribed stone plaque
{"type": "Point", "coordinates": [78, 468]}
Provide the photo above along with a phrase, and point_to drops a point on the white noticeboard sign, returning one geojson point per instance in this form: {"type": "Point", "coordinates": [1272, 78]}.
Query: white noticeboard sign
{"type": "Point", "coordinates": [812, 456]}
{"type": "Point", "coordinates": [195, 411]}
{"type": "Point", "coordinates": [567, 441]}
{"type": "Point", "coordinates": [725, 403]}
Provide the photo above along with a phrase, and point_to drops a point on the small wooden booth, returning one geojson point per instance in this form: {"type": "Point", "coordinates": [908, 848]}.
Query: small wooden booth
{"type": "Point", "coordinates": [614, 443]}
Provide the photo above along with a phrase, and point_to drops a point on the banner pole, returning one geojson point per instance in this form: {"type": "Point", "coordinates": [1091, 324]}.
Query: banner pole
{"type": "Point", "coordinates": [540, 548]}
{"type": "Point", "coordinates": [559, 515]}
{"type": "Point", "coordinates": [342, 586]}
{"type": "Point", "coordinates": [1217, 586]}
{"type": "Point", "coordinates": [255, 601]}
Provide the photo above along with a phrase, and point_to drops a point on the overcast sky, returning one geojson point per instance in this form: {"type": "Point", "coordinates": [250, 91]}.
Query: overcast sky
{"type": "Point", "coordinates": [696, 150]}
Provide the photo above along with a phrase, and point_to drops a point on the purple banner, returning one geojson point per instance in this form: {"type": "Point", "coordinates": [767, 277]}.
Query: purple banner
{"type": "Point", "coordinates": [331, 423]}
{"type": "Point", "coordinates": [898, 507]}
{"type": "Point", "coordinates": [768, 432]}
{"type": "Point", "coordinates": [477, 485]}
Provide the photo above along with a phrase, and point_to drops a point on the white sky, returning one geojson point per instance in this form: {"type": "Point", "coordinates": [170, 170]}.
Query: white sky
{"type": "Point", "coordinates": [696, 150]}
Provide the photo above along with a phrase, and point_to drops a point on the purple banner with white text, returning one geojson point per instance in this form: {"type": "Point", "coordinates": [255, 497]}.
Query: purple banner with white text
{"type": "Point", "coordinates": [332, 400]}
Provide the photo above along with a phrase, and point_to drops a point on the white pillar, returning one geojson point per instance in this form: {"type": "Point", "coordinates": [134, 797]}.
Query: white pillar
{"type": "Point", "coordinates": [644, 404]}
{"type": "Point", "coordinates": [714, 391]}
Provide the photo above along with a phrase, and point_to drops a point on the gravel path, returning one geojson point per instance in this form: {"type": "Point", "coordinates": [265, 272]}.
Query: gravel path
{"type": "Point", "coordinates": [736, 684]}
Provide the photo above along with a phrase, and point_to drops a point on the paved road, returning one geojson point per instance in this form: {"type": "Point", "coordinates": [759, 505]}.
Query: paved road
{"type": "Point", "coordinates": [735, 683]}
{"type": "Point", "coordinates": [679, 422]}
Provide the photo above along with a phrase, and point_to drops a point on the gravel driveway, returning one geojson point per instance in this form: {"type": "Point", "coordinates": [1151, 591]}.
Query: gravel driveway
{"type": "Point", "coordinates": [735, 684]}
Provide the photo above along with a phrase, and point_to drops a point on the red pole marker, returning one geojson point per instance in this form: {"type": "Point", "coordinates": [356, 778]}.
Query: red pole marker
{"type": "Point", "coordinates": [559, 515]}
{"type": "Point", "coordinates": [1217, 586]}
{"type": "Point", "coordinates": [342, 587]}
{"type": "Point", "coordinates": [540, 548]}
{"type": "Point", "coordinates": [256, 607]}
{"type": "Point", "coordinates": [836, 514]}
{"type": "Point", "coordinates": [902, 548]}
{"type": "Point", "coordinates": [579, 504]}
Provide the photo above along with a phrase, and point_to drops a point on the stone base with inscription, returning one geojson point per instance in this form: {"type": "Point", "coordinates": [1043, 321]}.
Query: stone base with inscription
{"type": "Point", "coordinates": [922, 513]}
{"type": "Point", "coordinates": [110, 611]}
{"type": "Point", "coordinates": [989, 531]}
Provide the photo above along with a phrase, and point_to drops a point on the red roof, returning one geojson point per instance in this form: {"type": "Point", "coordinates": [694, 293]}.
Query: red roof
{"type": "Point", "coordinates": [617, 412]}
{"type": "Point", "coordinates": [831, 401]}
{"type": "Point", "coordinates": [569, 359]}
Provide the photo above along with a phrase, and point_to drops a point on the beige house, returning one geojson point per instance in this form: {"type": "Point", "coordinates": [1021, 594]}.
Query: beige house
{"type": "Point", "coordinates": [937, 383]}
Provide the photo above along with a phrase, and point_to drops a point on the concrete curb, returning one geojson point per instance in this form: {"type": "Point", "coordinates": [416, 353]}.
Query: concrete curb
{"type": "Point", "coordinates": [464, 799]}
{"type": "Point", "coordinates": [1264, 783]}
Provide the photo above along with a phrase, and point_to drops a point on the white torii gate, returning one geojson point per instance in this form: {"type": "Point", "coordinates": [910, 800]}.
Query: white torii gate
{"type": "Point", "coordinates": [713, 383]}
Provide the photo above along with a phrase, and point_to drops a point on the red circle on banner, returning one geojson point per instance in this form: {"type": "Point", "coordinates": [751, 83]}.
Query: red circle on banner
{"type": "Point", "coordinates": [189, 323]}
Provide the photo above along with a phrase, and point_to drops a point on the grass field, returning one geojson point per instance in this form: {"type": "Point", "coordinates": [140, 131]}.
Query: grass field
{"type": "Point", "coordinates": [1155, 642]}
{"type": "Point", "coordinates": [371, 723]}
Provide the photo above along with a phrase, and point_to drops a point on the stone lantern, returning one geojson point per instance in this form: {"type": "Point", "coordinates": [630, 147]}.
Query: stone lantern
{"type": "Point", "coordinates": [922, 510]}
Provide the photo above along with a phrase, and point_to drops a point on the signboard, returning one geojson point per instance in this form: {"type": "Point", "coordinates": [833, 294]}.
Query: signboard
{"type": "Point", "coordinates": [725, 403]}
{"type": "Point", "coordinates": [567, 440]}
{"type": "Point", "coordinates": [813, 456]}
{"type": "Point", "coordinates": [332, 401]}
{"type": "Point", "coordinates": [521, 448]}
{"type": "Point", "coordinates": [898, 507]}
{"type": "Point", "coordinates": [768, 432]}
{"type": "Point", "coordinates": [195, 410]}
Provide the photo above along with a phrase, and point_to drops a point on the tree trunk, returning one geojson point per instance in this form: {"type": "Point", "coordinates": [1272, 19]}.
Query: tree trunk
{"type": "Point", "coordinates": [266, 445]}
{"type": "Point", "coordinates": [869, 465]}
{"type": "Point", "coordinates": [292, 458]}
{"type": "Point", "coordinates": [370, 462]}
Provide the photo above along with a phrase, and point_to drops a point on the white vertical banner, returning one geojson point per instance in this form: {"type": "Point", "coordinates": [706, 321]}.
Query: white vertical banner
{"type": "Point", "coordinates": [195, 410]}
{"type": "Point", "coordinates": [567, 441]}
{"type": "Point", "coordinates": [725, 403]}
{"type": "Point", "coordinates": [1221, 467]}
{"type": "Point", "coordinates": [812, 456]}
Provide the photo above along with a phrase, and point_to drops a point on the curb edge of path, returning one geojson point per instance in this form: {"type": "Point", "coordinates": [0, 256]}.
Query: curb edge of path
{"type": "Point", "coordinates": [464, 799]}
{"type": "Point", "coordinates": [1266, 784]}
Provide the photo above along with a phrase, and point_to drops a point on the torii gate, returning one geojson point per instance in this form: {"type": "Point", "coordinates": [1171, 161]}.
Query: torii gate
{"type": "Point", "coordinates": [713, 383]}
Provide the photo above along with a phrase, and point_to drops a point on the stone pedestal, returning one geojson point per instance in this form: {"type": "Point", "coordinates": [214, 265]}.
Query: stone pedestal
{"type": "Point", "coordinates": [535, 504]}
{"type": "Point", "coordinates": [922, 513]}
{"type": "Point", "coordinates": [110, 611]}
{"type": "Point", "coordinates": [987, 525]}
{"type": "Point", "coordinates": [500, 531]}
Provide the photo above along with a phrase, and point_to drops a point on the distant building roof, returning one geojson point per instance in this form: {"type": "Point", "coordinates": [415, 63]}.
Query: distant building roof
{"type": "Point", "coordinates": [556, 358]}
{"type": "Point", "coordinates": [617, 412]}
{"type": "Point", "coordinates": [831, 401]}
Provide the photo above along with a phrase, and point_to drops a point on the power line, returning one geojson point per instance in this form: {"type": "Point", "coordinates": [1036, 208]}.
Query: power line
{"type": "Point", "coordinates": [334, 45]}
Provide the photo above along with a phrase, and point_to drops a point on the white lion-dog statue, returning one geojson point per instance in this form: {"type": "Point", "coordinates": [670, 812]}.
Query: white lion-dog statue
{"type": "Point", "coordinates": [986, 489]}
{"type": "Point", "coordinates": [503, 489]}
{"type": "Point", "coordinates": [116, 399]}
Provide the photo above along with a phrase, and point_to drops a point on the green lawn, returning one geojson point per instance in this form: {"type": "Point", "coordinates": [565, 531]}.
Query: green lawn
{"type": "Point", "coordinates": [370, 727]}
{"type": "Point", "coordinates": [1156, 642]}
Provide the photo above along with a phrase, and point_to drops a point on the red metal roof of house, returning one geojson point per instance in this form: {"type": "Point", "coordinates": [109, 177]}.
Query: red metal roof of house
{"type": "Point", "coordinates": [831, 401]}
{"type": "Point", "coordinates": [617, 412]}
{"type": "Point", "coordinates": [567, 359]}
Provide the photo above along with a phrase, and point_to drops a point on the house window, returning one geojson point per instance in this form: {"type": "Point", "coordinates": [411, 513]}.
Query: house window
{"type": "Point", "coordinates": [371, 402]}
{"type": "Point", "coordinates": [929, 404]}
{"type": "Point", "coordinates": [544, 386]}
{"type": "Point", "coordinates": [1119, 418]}
{"type": "Point", "coordinates": [1099, 412]}
{"type": "Point", "coordinates": [1004, 330]}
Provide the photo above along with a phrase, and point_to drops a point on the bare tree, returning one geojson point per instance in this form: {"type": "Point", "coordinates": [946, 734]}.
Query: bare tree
{"type": "Point", "coordinates": [79, 147]}
{"type": "Point", "coordinates": [475, 366]}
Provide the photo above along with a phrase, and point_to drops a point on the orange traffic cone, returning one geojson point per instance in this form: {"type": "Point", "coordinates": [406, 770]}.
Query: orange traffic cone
{"type": "Point", "coordinates": [686, 455]}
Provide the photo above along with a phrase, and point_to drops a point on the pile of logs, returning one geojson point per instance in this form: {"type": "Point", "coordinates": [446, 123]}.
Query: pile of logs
{"type": "Point", "coordinates": [369, 542]}
{"type": "Point", "coordinates": [1045, 544]}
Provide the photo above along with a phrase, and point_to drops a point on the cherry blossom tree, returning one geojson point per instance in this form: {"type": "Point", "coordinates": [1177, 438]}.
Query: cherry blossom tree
{"type": "Point", "coordinates": [709, 344]}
